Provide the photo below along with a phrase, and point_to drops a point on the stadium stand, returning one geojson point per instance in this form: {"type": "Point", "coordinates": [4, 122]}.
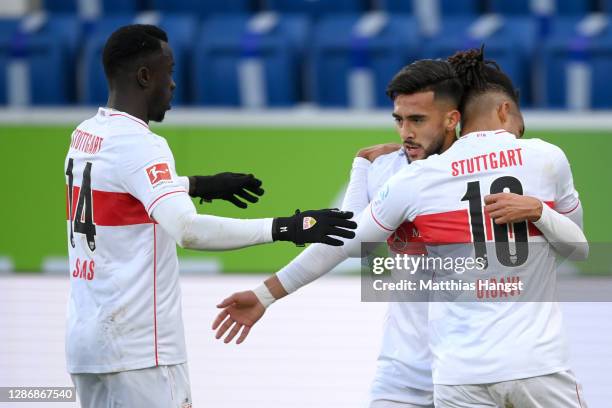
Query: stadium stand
{"type": "Point", "coordinates": [446, 7]}
{"type": "Point", "coordinates": [339, 53]}
{"type": "Point", "coordinates": [181, 29]}
{"type": "Point", "coordinates": [526, 7]}
{"type": "Point", "coordinates": [318, 8]}
{"type": "Point", "coordinates": [92, 8]}
{"type": "Point", "coordinates": [202, 8]}
{"type": "Point", "coordinates": [354, 57]}
{"type": "Point", "coordinates": [578, 60]}
{"type": "Point", "coordinates": [250, 61]}
{"type": "Point", "coordinates": [36, 59]}
{"type": "Point", "coordinates": [509, 40]}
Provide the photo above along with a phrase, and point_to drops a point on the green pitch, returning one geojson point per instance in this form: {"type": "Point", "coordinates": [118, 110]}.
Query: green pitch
{"type": "Point", "coordinates": [300, 168]}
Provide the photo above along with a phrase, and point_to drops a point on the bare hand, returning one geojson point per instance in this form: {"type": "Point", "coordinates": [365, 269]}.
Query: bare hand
{"type": "Point", "coordinates": [372, 152]}
{"type": "Point", "coordinates": [240, 311]}
{"type": "Point", "coordinates": [506, 208]}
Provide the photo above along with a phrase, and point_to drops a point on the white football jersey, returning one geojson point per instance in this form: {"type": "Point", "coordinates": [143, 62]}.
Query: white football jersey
{"type": "Point", "coordinates": [404, 362]}
{"type": "Point", "coordinates": [124, 311]}
{"type": "Point", "coordinates": [483, 341]}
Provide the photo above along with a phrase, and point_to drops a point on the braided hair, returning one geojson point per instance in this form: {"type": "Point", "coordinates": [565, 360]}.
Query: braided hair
{"type": "Point", "coordinates": [479, 76]}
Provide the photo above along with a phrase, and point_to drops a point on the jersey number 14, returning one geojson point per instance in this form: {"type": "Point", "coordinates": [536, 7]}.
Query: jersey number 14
{"type": "Point", "coordinates": [82, 220]}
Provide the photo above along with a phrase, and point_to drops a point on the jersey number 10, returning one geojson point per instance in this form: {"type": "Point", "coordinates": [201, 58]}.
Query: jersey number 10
{"type": "Point", "coordinates": [502, 245]}
{"type": "Point", "coordinates": [82, 221]}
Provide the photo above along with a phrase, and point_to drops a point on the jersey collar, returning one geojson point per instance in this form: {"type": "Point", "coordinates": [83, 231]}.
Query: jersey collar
{"type": "Point", "coordinates": [109, 113]}
{"type": "Point", "coordinates": [487, 133]}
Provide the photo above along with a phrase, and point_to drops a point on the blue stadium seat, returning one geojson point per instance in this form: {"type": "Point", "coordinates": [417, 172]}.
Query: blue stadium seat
{"type": "Point", "coordinates": [447, 7]}
{"type": "Point", "coordinates": [202, 8]}
{"type": "Point", "coordinates": [511, 46]}
{"type": "Point", "coordinates": [566, 47]}
{"type": "Point", "coordinates": [338, 53]}
{"type": "Point", "coordinates": [106, 6]}
{"type": "Point", "coordinates": [563, 7]}
{"type": "Point", "coordinates": [316, 8]}
{"type": "Point", "coordinates": [181, 30]}
{"type": "Point", "coordinates": [48, 53]}
{"type": "Point", "coordinates": [224, 49]}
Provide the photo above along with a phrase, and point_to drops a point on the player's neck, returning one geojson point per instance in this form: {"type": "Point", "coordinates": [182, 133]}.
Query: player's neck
{"type": "Point", "coordinates": [128, 105]}
{"type": "Point", "coordinates": [480, 125]}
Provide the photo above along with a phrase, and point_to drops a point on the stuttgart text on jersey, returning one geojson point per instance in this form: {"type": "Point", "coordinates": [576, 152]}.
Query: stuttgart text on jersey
{"type": "Point", "coordinates": [86, 142]}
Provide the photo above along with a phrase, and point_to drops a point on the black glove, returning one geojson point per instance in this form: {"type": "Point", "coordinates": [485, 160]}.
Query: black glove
{"type": "Point", "coordinates": [226, 186]}
{"type": "Point", "coordinates": [314, 226]}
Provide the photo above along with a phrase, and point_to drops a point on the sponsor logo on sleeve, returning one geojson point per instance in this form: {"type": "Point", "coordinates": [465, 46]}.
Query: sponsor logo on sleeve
{"type": "Point", "coordinates": [159, 174]}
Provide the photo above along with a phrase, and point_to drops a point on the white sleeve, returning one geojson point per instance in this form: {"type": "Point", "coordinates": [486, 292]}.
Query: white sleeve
{"type": "Point", "coordinates": [314, 262]}
{"type": "Point", "coordinates": [146, 169]}
{"type": "Point", "coordinates": [566, 196]}
{"type": "Point", "coordinates": [184, 181]}
{"type": "Point", "coordinates": [563, 233]}
{"type": "Point", "coordinates": [396, 202]}
{"type": "Point", "coordinates": [356, 196]}
{"type": "Point", "coordinates": [368, 230]}
{"type": "Point", "coordinates": [318, 259]}
{"type": "Point", "coordinates": [177, 216]}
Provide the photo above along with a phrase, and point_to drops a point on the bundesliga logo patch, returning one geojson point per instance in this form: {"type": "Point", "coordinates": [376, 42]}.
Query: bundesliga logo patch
{"type": "Point", "coordinates": [158, 173]}
{"type": "Point", "coordinates": [308, 222]}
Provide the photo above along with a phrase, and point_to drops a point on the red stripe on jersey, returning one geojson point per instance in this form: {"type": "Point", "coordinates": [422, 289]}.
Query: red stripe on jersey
{"type": "Point", "coordinates": [446, 227]}
{"type": "Point", "coordinates": [407, 240]}
{"type": "Point", "coordinates": [488, 227]}
{"type": "Point", "coordinates": [140, 122]}
{"type": "Point", "coordinates": [112, 209]}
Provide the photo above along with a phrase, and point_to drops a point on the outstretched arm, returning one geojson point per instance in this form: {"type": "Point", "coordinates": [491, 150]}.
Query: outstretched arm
{"type": "Point", "coordinates": [178, 217]}
{"type": "Point", "coordinates": [242, 310]}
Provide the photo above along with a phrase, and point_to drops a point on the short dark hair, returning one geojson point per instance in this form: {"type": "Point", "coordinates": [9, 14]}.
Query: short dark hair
{"type": "Point", "coordinates": [425, 75]}
{"type": "Point", "coordinates": [479, 75]}
{"type": "Point", "coordinates": [129, 43]}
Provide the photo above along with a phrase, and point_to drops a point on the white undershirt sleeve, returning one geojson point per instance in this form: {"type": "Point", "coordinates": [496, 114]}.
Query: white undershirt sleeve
{"type": "Point", "coordinates": [356, 196]}
{"type": "Point", "coordinates": [318, 259]}
{"type": "Point", "coordinates": [314, 262]}
{"type": "Point", "coordinates": [178, 217]}
{"type": "Point", "coordinates": [564, 232]}
{"type": "Point", "coordinates": [368, 230]}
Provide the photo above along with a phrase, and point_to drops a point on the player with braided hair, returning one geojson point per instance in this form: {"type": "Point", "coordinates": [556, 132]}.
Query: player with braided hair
{"type": "Point", "coordinates": [491, 353]}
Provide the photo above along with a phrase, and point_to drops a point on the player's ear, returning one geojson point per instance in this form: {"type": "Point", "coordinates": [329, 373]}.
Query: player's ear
{"type": "Point", "coordinates": [452, 119]}
{"type": "Point", "coordinates": [143, 76]}
{"type": "Point", "coordinates": [504, 110]}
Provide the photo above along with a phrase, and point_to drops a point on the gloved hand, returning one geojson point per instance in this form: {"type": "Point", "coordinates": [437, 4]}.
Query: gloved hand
{"type": "Point", "coordinates": [226, 186]}
{"type": "Point", "coordinates": [314, 226]}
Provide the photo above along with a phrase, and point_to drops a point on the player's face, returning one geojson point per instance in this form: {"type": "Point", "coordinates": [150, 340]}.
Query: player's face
{"type": "Point", "coordinates": [420, 122]}
{"type": "Point", "coordinates": [163, 84]}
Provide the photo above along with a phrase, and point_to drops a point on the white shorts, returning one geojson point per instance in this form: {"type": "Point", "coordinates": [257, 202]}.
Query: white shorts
{"type": "Point", "coordinates": [558, 390]}
{"type": "Point", "coordinates": [162, 386]}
